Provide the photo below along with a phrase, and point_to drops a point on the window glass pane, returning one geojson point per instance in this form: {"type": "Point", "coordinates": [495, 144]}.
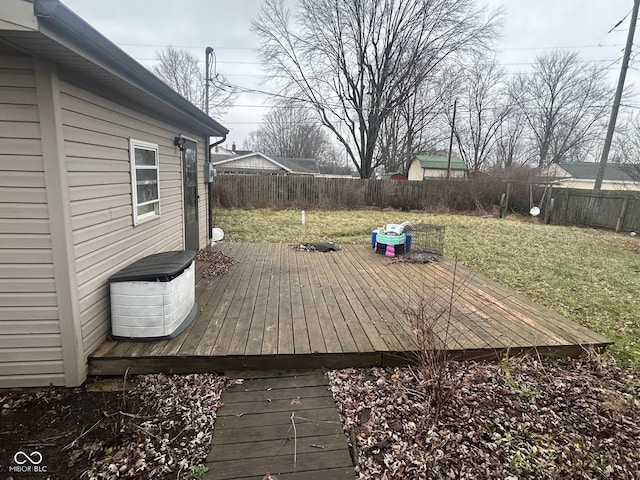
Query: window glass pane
{"type": "Point", "coordinates": [146, 209]}
{"type": "Point", "coordinates": [191, 208]}
{"type": "Point", "coordinates": [145, 157]}
{"type": "Point", "coordinates": [147, 184]}
{"type": "Point", "coordinates": [146, 175]}
{"type": "Point", "coordinates": [146, 193]}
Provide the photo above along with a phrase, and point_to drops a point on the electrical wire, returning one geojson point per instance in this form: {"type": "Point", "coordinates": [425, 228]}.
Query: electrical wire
{"type": "Point", "coordinates": [622, 20]}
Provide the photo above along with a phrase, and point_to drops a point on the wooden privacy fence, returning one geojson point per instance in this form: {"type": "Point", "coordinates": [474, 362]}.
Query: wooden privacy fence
{"type": "Point", "coordinates": [619, 211]}
{"type": "Point", "coordinates": [612, 210]}
{"type": "Point", "coordinates": [264, 191]}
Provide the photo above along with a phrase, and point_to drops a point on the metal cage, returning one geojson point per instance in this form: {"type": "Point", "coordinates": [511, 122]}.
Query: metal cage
{"type": "Point", "coordinates": [428, 238]}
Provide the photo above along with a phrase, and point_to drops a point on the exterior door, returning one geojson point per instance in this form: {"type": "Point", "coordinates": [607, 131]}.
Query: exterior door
{"type": "Point", "coordinates": [190, 189]}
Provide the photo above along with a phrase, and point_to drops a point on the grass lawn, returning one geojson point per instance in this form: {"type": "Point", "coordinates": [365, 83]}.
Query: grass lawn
{"type": "Point", "coordinates": [590, 276]}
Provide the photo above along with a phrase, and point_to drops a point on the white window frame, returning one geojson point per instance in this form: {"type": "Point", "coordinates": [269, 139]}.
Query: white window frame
{"type": "Point", "coordinates": [155, 213]}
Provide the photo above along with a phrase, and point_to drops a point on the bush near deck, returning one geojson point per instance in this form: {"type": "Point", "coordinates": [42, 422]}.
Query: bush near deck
{"type": "Point", "coordinates": [590, 276]}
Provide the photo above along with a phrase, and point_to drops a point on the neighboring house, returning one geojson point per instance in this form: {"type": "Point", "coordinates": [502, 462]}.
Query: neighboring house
{"type": "Point", "coordinates": [392, 176]}
{"type": "Point", "coordinates": [424, 167]}
{"type": "Point", "coordinates": [220, 150]}
{"type": "Point", "coordinates": [101, 163]}
{"type": "Point", "coordinates": [300, 166]}
{"type": "Point", "coordinates": [336, 171]}
{"type": "Point", "coordinates": [583, 175]}
{"type": "Point", "coordinates": [259, 163]}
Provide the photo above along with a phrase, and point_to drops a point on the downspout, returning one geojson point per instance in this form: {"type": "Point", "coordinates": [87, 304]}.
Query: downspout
{"type": "Point", "coordinates": [209, 190]}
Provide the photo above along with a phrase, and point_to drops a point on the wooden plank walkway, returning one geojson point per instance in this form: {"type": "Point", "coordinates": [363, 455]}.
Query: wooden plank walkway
{"type": "Point", "coordinates": [278, 308]}
{"type": "Point", "coordinates": [279, 423]}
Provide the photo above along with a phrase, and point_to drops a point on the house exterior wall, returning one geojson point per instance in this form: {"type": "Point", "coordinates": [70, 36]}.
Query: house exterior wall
{"type": "Point", "coordinates": [608, 185]}
{"type": "Point", "coordinates": [442, 173]}
{"type": "Point", "coordinates": [416, 172]}
{"type": "Point", "coordinates": [562, 178]}
{"type": "Point", "coordinates": [96, 143]}
{"type": "Point", "coordinates": [555, 171]}
{"type": "Point", "coordinates": [30, 337]}
{"type": "Point", "coordinates": [66, 217]}
{"type": "Point", "coordinates": [250, 163]}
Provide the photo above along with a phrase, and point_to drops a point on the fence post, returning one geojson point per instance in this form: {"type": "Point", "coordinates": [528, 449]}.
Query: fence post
{"type": "Point", "coordinates": [623, 212]}
{"type": "Point", "coordinates": [547, 207]}
{"type": "Point", "coordinates": [504, 204]}
{"type": "Point", "coordinates": [566, 207]}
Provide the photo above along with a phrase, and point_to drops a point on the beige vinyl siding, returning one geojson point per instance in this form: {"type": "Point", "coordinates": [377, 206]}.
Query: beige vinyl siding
{"type": "Point", "coordinates": [442, 173]}
{"type": "Point", "coordinates": [97, 133]}
{"type": "Point", "coordinates": [415, 171]}
{"type": "Point", "coordinates": [30, 344]}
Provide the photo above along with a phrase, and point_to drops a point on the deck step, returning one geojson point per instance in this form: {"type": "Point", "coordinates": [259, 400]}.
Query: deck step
{"type": "Point", "coordinates": [283, 424]}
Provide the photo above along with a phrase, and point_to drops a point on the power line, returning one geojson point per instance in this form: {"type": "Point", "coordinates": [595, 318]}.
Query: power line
{"type": "Point", "coordinates": [620, 21]}
{"type": "Point", "coordinates": [339, 106]}
{"type": "Point", "coordinates": [202, 47]}
{"type": "Point", "coordinates": [502, 64]}
{"type": "Point", "coordinates": [501, 49]}
{"type": "Point", "coordinates": [562, 47]}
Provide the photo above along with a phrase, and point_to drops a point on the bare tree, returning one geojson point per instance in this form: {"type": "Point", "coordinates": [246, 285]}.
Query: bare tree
{"type": "Point", "coordinates": [564, 104]}
{"type": "Point", "coordinates": [510, 144]}
{"type": "Point", "coordinates": [356, 61]}
{"type": "Point", "coordinates": [291, 131]}
{"type": "Point", "coordinates": [626, 145]}
{"type": "Point", "coordinates": [482, 109]}
{"type": "Point", "coordinates": [182, 72]}
{"type": "Point", "coordinates": [410, 129]}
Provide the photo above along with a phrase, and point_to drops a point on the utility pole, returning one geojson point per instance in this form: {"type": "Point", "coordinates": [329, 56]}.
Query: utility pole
{"type": "Point", "coordinates": [453, 127]}
{"type": "Point", "coordinates": [616, 101]}
{"type": "Point", "coordinates": [208, 52]}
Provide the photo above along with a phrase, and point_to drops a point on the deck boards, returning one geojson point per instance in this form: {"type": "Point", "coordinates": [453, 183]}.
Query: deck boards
{"type": "Point", "coordinates": [255, 436]}
{"type": "Point", "coordinates": [281, 308]}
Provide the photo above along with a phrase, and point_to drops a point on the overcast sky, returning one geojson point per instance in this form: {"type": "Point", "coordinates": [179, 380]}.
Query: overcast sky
{"type": "Point", "coordinates": [142, 27]}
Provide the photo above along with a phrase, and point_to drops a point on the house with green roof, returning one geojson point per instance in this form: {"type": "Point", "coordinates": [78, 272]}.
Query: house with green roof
{"type": "Point", "coordinates": [424, 167]}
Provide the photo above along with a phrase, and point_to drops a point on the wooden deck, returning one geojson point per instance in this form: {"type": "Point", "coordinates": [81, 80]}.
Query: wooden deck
{"type": "Point", "coordinates": [278, 308]}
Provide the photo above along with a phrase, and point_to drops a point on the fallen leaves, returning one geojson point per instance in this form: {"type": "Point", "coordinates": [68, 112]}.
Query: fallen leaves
{"type": "Point", "coordinates": [219, 262]}
{"type": "Point", "coordinates": [517, 419]}
{"type": "Point", "coordinates": [173, 435]}
{"type": "Point", "coordinates": [523, 418]}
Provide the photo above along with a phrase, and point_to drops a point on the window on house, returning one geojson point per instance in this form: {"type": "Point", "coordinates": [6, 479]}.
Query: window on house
{"type": "Point", "coordinates": [145, 186]}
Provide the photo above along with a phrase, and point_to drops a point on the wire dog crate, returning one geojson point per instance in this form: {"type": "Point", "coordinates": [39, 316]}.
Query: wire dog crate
{"type": "Point", "coordinates": [428, 239]}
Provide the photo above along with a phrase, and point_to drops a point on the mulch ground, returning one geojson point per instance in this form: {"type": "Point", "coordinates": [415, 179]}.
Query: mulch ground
{"type": "Point", "coordinates": [152, 426]}
{"type": "Point", "coordinates": [520, 419]}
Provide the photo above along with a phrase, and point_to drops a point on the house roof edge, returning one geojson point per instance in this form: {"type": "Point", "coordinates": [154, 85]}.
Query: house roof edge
{"type": "Point", "coordinates": [60, 24]}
